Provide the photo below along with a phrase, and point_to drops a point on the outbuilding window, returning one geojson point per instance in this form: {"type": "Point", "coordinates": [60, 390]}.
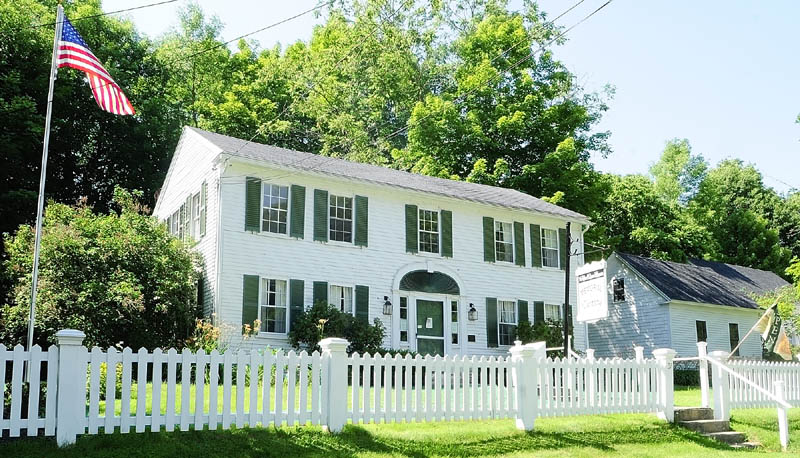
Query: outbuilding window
{"type": "Point", "coordinates": [619, 289]}
{"type": "Point", "coordinates": [700, 327]}
{"type": "Point", "coordinates": [733, 335]}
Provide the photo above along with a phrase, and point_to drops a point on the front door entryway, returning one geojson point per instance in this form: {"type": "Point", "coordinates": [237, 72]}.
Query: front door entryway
{"type": "Point", "coordinates": [430, 327]}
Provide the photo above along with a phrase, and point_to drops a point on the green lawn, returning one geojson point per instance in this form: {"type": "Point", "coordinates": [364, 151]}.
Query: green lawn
{"type": "Point", "coordinates": [621, 435]}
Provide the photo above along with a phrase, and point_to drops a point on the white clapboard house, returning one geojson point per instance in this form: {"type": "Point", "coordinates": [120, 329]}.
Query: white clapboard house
{"type": "Point", "coordinates": [663, 304]}
{"type": "Point", "coordinates": [446, 266]}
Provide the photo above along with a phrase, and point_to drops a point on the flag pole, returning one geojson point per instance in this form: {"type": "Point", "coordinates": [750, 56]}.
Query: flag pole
{"type": "Point", "coordinates": [741, 341]}
{"type": "Point", "coordinates": [45, 145]}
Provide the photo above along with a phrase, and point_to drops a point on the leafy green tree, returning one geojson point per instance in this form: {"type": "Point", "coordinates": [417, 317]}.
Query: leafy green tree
{"type": "Point", "coordinates": [740, 211]}
{"type": "Point", "coordinates": [635, 219]}
{"type": "Point", "coordinates": [119, 277]}
{"type": "Point", "coordinates": [678, 172]}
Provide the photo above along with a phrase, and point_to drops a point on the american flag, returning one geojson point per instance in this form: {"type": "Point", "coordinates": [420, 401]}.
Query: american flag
{"type": "Point", "coordinates": [74, 52]}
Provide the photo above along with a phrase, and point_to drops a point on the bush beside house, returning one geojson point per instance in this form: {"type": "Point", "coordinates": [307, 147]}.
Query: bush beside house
{"type": "Point", "coordinates": [118, 277]}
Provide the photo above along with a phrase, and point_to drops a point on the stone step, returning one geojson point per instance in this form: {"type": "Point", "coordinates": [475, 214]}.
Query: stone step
{"type": "Point", "coordinates": [728, 437]}
{"type": "Point", "coordinates": [693, 413]}
{"type": "Point", "coordinates": [747, 445]}
{"type": "Point", "coordinates": [706, 426]}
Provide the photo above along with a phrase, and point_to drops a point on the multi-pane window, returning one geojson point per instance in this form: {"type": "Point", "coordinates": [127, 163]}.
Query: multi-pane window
{"type": "Point", "coordinates": [508, 322]}
{"type": "Point", "coordinates": [341, 218]}
{"type": "Point", "coordinates": [429, 231]}
{"type": "Point", "coordinates": [196, 216]}
{"type": "Point", "coordinates": [733, 334]}
{"type": "Point", "coordinates": [503, 241]}
{"type": "Point", "coordinates": [550, 248]}
{"type": "Point", "coordinates": [702, 333]}
{"type": "Point", "coordinates": [403, 319]}
{"type": "Point", "coordinates": [454, 322]}
{"type": "Point", "coordinates": [185, 226]}
{"type": "Point", "coordinates": [274, 208]}
{"type": "Point", "coordinates": [552, 312]}
{"type": "Point", "coordinates": [619, 289]}
{"type": "Point", "coordinates": [342, 298]}
{"type": "Point", "coordinates": [273, 305]}
{"type": "Point", "coordinates": [175, 221]}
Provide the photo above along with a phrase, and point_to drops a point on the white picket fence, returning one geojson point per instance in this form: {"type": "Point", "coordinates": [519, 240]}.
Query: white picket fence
{"type": "Point", "coordinates": [764, 374]}
{"type": "Point", "coordinates": [184, 390]}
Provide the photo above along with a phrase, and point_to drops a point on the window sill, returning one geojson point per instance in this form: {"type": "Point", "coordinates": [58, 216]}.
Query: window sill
{"type": "Point", "coordinates": [272, 335]}
{"type": "Point", "coordinates": [341, 244]}
{"type": "Point", "coordinates": [274, 235]}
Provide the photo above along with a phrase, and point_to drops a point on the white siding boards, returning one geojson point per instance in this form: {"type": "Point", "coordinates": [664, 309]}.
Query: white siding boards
{"type": "Point", "coordinates": [315, 232]}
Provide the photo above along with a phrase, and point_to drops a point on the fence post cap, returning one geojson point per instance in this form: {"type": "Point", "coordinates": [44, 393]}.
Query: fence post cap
{"type": "Point", "coordinates": [334, 344]}
{"type": "Point", "coordinates": [70, 337]}
{"type": "Point", "coordinates": [702, 344]}
{"type": "Point", "coordinates": [664, 353]}
{"type": "Point", "coordinates": [719, 354]}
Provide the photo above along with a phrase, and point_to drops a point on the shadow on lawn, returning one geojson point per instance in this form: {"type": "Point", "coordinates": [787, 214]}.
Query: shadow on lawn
{"type": "Point", "coordinates": [290, 442]}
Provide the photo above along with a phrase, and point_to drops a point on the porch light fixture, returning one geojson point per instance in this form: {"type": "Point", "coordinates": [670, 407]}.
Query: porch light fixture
{"type": "Point", "coordinates": [387, 306]}
{"type": "Point", "coordinates": [472, 314]}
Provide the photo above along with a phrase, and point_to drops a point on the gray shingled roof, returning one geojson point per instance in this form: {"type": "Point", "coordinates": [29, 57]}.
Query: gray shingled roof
{"type": "Point", "coordinates": [705, 281]}
{"type": "Point", "coordinates": [382, 175]}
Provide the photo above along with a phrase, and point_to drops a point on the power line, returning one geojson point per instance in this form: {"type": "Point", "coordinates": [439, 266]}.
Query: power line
{"type": "Point", "coordinates": [517, 64]}
{"type": "Point", "coordinates": [105, 14]}
{"type": "Point", "coordinates": [551, 22]}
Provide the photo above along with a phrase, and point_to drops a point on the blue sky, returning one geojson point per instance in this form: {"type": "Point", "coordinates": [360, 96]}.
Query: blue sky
{"type": "Point", "coordinates": [723, 74]}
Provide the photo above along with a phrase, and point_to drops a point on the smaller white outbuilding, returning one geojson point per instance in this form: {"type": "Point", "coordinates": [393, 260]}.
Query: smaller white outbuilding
{"type": "Point", "coordinates": [663, 304]}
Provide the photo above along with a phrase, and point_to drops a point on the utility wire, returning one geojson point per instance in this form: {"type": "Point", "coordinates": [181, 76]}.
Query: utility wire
{"type": "Point", "coordinates": [106, 14]}
{"type": "Point", "coordinates": [502, 54]}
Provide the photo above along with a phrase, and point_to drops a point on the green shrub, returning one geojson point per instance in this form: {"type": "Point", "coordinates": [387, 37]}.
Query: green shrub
{"type": "Point", "coordinates": [104, 377]}
{"type": "Point", "coordinates": [322, 321]}
{"type": "Point", "coordinates": [549, 331]}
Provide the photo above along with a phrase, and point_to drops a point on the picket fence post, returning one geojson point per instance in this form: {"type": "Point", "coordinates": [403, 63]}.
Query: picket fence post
{"type": "Point", "coordinates": [702, 353]}
{"type": "Point", "coordinates": [722, 407]}
{"type": "Point", "coordinates": [525, 367]}
{"type": "Point", "coordinates": [71, 391]}
{"type": "Point", "coordinates": [666, 393]}
{"type": "Point", "coordinates": [639, 352]}
{"type": "Point", "coordinates": [783, 418]}
{"type": "Point", "coordinates": [334, 401]}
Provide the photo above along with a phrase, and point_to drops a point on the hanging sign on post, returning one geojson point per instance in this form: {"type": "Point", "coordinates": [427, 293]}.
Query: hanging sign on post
{"type": "Point", "coordinates": [592, 292]}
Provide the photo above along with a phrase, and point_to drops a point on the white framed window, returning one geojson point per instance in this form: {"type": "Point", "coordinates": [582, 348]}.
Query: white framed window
{"type": "Point", "coordinates": [619, 289]}
{"type": "Point", "coordinates": [429, 231]}
{"type": "Point", "coordinates": [196, 216]}
{"type": "Point", "coordinates": [403, 319]}
{"type": "Point", "coordinates": [552, 312]}
{"type": "Point", "coordinates": [274, 208]}
{"type": "Point", "coordinates": [503, 241]}
{"type": "Point", "coordinates": [185, 225]}
{"type": "Point", "coordinates": [273, 305]}
{"type": "Point", "coordinates": [341, 297]}
{"type": "Point", "coordinates": [175, 222]}
{"type": "Point", "coordinates": [550, 256]}
{"type": "Point", "coordinates": [454, 323]}
{"type": "Point", "coordinates": [340, 218]}
{"type": "Point", "coordinates": [507, 328]}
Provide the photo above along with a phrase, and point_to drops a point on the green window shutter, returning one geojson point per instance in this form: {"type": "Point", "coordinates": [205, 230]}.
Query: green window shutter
{"type": "Point", "coordinates": [447, 233]}
{"type": "Point", "coordinates": [320, 292]}
{"type": "Point", "coordinates": [491, 322]}
{"type": "Point", "coordinates": [538, 312]}
{"type": "Point", "coordinates": [249, 300]}
{"type": "Point", "coordinates": [562, 251]}
{"type": "Point", "coordinates": [252, 204]}
{"type": "Point", "coordinates": [411, 228]}
{"type": "Point", "coordinates": [297, 222]}
{"type": "Point", "coordinates": [522, 309]}
{"type": "Point", "coordinates": [320, 215]}
{"type": "Point", "coordinates": [488, 239]}
{"type": "Point", "coordinates": [362, 221]}
{"type": "Point", "coordinates": [296, 300]}
{"type": "Point", "coordinates": [519, 244]}
{"type": "Point", "coordinates": [536, 245]}
{"type": "Point", "coordinates": [362, 303]}
{"type": "Point", "coordinates": [204, 206]}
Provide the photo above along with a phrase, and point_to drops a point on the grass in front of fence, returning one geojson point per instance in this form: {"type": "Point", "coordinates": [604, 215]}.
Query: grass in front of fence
{"type": "Point", "coordinates": [612, 435]}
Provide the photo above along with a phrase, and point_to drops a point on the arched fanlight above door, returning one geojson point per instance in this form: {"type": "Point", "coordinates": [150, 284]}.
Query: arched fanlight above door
{"type": "Point", "coordinates": [429, 282]}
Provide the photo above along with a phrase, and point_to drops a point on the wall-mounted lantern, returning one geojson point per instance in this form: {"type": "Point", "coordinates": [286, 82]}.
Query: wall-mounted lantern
{"type": "Point", "coordinates": [387, 306]}
{"type": "Point", "coordinates": [472, 314]}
